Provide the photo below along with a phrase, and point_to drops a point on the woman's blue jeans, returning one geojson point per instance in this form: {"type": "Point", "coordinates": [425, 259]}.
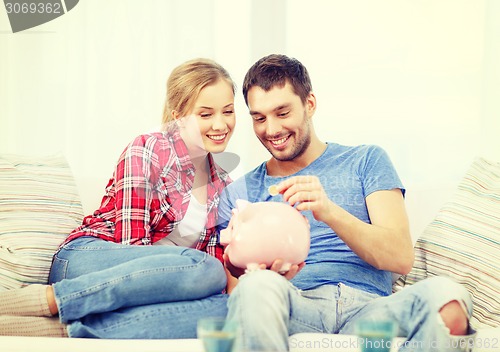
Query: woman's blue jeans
{"type": "Point", "coordinates": [109, 290]}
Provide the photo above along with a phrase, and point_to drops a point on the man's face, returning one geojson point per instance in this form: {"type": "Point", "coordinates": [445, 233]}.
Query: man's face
{"type": "Point", "coordinates": [281, 121]}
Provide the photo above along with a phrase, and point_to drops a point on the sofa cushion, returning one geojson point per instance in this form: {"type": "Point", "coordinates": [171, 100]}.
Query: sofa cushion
{"type": "Point", "coordinates": [463, 242]}
{"type": "Point", "coordinates": [39, 206]}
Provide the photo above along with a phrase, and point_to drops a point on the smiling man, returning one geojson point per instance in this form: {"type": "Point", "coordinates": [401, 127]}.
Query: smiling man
{"type": "Point", "coordinates": [354, 201]}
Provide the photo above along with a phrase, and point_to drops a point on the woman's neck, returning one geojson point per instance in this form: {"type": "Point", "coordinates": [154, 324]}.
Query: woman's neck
{"type": "Point", "coordinates": [201, 174]}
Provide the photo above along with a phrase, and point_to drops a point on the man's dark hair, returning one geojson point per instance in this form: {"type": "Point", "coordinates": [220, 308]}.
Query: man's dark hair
{"type": "Point", "coordinates": [275, 70]}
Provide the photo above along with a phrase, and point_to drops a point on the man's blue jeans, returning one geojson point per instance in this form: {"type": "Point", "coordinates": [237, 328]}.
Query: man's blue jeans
{"type": "Point", "coordinates": [269, 308]}
{"type": "Point", "coordinates": [109, 290]}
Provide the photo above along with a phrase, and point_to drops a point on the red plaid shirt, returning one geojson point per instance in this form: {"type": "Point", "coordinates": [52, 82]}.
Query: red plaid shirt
{"type": "Point", "coordinates": [149, 194]}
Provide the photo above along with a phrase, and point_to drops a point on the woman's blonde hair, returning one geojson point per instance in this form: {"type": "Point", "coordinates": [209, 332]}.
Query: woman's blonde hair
{"type": "Point", "coordinates": [186, 82]}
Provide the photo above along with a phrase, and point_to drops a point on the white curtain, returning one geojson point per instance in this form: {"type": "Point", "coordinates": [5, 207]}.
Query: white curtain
{"type": "Point", "coordinates": [89, 81]}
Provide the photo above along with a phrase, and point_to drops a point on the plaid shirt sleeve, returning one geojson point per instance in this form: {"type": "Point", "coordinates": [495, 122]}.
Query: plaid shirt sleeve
{"type": "Point", "coordinates": [214, 248]}
{"type": "Point", "coordinates": [136, 173]}
{"type": "Point", "coordinates": [131, 212]}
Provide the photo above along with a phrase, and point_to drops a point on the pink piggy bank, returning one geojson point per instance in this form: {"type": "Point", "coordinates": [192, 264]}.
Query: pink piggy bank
{"type": "Point", "coordinates": [260, 233]}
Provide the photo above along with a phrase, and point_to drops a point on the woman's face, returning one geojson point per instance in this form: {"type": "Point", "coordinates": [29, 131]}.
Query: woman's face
{"type": "Point", "coordinates": [210, 124]}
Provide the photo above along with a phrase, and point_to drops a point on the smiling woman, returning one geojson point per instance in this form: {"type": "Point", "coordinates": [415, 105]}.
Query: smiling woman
{"type": "Point", "coordinates": [152, 245]}
{"type": "Point", "coordinates": [211, 123]}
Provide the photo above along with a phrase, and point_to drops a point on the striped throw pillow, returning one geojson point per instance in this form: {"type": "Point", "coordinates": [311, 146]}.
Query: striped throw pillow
{"type": "Point", "coordinates": [463, 242]}
{"type": "Point", "coordinates": [39, 206]}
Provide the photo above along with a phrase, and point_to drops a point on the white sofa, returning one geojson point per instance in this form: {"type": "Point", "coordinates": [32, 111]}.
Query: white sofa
{"type": "Point", "coordinates": [298, 343]}
{"type": "Point", "coordinates": [40, 205]}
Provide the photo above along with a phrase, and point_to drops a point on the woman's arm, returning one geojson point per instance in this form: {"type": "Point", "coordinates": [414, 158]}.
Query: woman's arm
{"type": "Point", "coordinates": [134, 175]}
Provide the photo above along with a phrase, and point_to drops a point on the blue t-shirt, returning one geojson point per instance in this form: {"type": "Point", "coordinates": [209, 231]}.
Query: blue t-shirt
{"type": "Point", "coordinates": [348, 175]}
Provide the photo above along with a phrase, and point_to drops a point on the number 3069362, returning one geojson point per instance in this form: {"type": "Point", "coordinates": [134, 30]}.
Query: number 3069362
{"type": "Point", "coordinates": [33, 7]}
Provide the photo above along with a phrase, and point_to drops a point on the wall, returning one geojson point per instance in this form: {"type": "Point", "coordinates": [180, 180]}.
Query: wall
{"type": "Point", "coordinates": [420, 78]}
{"type": "Point", "coordinates": [88, 82]}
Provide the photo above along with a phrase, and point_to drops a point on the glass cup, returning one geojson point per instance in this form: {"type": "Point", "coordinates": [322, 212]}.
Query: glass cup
{"type": "Point", "coordinates": [376, 335]}
{"type": "Point", "coordinates": [217, 334]}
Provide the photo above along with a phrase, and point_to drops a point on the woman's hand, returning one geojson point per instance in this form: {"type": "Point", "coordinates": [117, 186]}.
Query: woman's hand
{"type": "Point", "coordinates": [233, 270]}
{"type": "Point", "coordinates": [231, 282]}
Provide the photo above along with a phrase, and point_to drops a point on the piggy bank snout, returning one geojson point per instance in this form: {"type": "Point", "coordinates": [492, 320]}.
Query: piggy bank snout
{"type": "Point", "coordinates": [225, 237]}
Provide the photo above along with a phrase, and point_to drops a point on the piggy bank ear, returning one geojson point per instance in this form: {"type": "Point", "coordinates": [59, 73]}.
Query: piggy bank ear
{"type": "Point", "coordinates": [241, 204]}
{"type": "Point", "coordinates": [234, 213]}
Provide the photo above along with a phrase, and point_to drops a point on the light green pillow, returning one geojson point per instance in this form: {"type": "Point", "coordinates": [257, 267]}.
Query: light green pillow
{"type": "Point", "coordinates": [39, 207]}
{"type": "Point", "coordinates": [463, 242]}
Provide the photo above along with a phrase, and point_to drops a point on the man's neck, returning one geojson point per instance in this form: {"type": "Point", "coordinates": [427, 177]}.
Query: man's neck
{"type": "Point", "coordinates": [286, 168]}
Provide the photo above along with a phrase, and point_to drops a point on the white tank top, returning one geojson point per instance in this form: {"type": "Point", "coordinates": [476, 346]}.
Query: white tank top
{"type": "Point", "coordinates": [188, 231]}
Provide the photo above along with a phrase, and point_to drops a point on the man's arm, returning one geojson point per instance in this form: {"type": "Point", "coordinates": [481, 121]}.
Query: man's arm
{"type": "Point", "coordinates": [385, 243]}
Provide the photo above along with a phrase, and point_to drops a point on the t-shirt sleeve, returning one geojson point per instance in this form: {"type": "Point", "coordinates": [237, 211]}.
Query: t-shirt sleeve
{"type": "Point", "coordinates": [234, 191]}
{"type": "Point", "coordinates": [225, 207]}
{"type": "Point", "coordinates": [378, 172]}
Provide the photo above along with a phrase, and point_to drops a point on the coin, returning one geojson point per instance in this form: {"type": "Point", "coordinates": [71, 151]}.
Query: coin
{"type": "Point", "coordinates": [273, 190]}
